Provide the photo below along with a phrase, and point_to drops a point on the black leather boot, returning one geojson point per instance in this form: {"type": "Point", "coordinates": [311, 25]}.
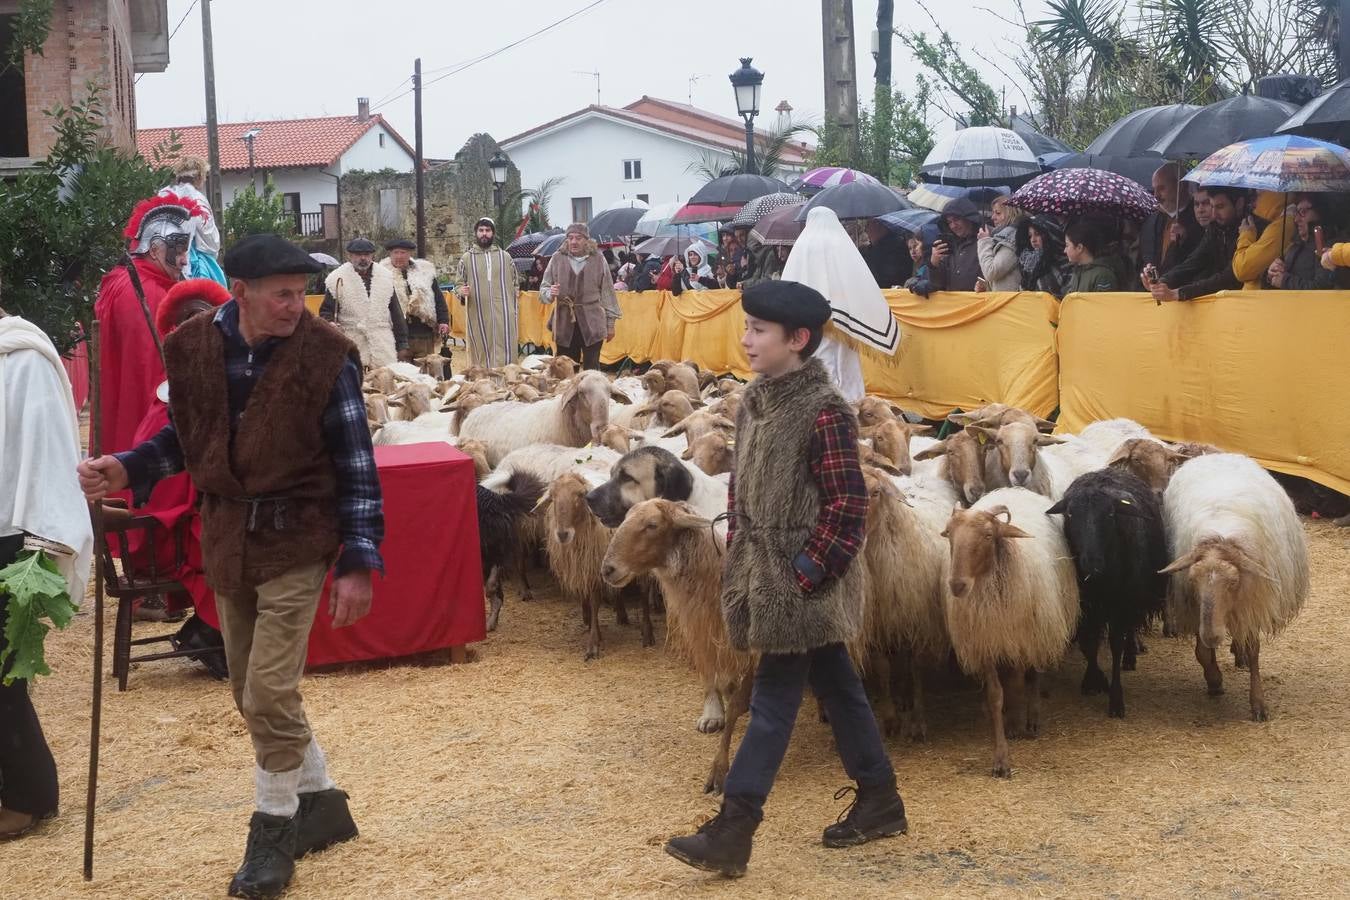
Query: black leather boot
{"type": "Point", "coordinates": [876, 811]}
{"type": "Point", "coordinates": [722, 844]}
{"type": "Point", "coordinates": [269, 858]}
{"type": "Point", "coordinates": [324, 820]}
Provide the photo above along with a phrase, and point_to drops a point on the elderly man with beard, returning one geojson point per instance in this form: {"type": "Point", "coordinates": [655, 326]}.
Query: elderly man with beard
{"type": "Point", "coordinates": [419, 296]}
{"type": "Point", "coordinates": [577, 283]}
{"type": "Point", "coordinates": [488, 283]}
{"type": "Point", "coordinates": [354, 300]}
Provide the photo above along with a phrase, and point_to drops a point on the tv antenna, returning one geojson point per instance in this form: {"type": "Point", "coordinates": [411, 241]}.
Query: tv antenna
{"type": "Point", "coordinates": [596, 76]}
{"type": "Point", "coordinates": [693, 79]}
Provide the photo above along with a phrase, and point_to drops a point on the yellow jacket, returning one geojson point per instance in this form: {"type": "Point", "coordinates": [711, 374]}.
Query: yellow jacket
{"type": "Point", "coordinates": [1340, 254]}
{"type": "Point", "coordinates": [1255, 254]}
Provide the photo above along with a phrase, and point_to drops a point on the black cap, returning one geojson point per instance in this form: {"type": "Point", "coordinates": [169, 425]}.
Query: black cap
{"type": "Point", "coordinates": [360, 245]}
{"type": "Point", "coordinates": [261, 255]}
{"type": "Point", "coordinates": [400, 244]}
{"type": "Point", "coordinates": [789, 303]}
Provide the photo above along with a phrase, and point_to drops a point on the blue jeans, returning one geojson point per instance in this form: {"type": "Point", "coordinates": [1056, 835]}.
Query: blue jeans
{"type": "Point", "coordinates": [779, 683]}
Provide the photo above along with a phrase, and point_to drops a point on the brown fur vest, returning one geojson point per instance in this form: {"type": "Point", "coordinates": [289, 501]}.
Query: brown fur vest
{"type": "Point", "coordinates": [277, 451]}
{"type": "Point", "coordinates": [777, 503]}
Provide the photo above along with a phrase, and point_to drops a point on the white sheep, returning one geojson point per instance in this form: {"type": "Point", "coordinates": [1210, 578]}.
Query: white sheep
{"type": "Point", "coordinates": [1011, 605]}
{"type": "Point", "coordinates": [1240, 561]}
{"type": "Point", "coordinates": [1107, 435]}
{"type": "Point", "coordinates": [576, 417]}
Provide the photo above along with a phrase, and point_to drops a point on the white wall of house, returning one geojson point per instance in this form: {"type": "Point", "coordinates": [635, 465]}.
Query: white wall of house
{"type": "Point", "coordinates": [314, 187]}
{"type": "Point", "coordinates": [368, 155]}
{"type": "Point", "coordinates": [590, 154]}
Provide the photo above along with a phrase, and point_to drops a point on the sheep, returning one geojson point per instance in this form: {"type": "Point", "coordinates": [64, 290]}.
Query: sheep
{"type": "Point", "coordinates": [713, 452]}
{"type": "Point", "coordinates": [963, 464]}
{"type": "Point", "coordinates": [411, 400]}
{"type": "Point", "coordinates": [498, 518]}
{"type": "Point", "coordinates": [872, 411]}
{"type": "Point", "coordinates": [377, 410]}
{"type": "Point", "coordinates": [890, 439]}
{"type": "Point", "coordinates": [1015, 460]}
{"type": "Point", "coordinates": [435, 365]}
{"type": "Point", "coordinates": [903, 623]}
{"type": "Point", "coordinates": [1107, 436]}
{"type": "Point", "coordinates": [671, 541]}
{"type": "Point", "coordinates": [575, 417]}
{"type": "Point", "coordinates": [699, 423]}
{"type": "Point", "coordinates": [995, 415]}
{"type": "Point", "coordinates": [677, 377]}
{"type": "Point", "coordinates": [1113, 524]}
{"type": "Point", "coordinates": [1011, 604]}
{"type": "Point", "coordinates": [476, 451]}
{"type": "Point", "coordinates": [1239, 561]}
{"type": "Point", "coordinates": [525, 393]}
{"type": "Point", "coordinates": [729, 406]}
{"type": "Point", "coordinates": [618, 438]}
{"type": "Point", "coordinates": [670, 408]}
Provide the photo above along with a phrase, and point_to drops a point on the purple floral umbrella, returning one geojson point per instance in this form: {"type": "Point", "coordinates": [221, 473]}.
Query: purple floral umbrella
{"type": "Point", "coordinates": [816, 180]}
{"type": "Point", "coordinates": [1074, 192]}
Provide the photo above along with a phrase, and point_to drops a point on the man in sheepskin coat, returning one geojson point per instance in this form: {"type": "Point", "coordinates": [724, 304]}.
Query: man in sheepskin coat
{"type": "Point", "coordinates": [797, 508]}
{"type": "Point", "coordinates": [420, 297]}
{"type": "Point", "coordinates": [359, 298]}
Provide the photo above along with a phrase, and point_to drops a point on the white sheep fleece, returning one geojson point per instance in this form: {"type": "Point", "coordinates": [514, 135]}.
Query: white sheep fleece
{"type": "Point", "coordinates": [414, 432]}
{"type": "Point", "coordinates": [907, 565]}
{"type": "Point", "coordinates": [1229, 496]}
{"type": "Point", "coordinates": [508, 425]}
{"type": "Point", "coordinates": [548, 461]}
{"type": "Point", "coordinates": [1024, 614]}
{"type": "Point", "coordinates": [1107, 435]}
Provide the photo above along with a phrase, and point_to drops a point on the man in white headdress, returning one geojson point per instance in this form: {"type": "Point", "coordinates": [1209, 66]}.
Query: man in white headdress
{"type": "Point", "coordinates": [826, 259]}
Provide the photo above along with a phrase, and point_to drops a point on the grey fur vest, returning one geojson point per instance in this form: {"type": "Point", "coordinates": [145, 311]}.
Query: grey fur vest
{"type": "Point", "coordinates": [777, 504]}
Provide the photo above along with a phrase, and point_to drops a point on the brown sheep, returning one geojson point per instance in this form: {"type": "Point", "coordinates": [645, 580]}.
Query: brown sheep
{"type": "Point", "coordinates": [963, 464]}
{"type": "Point", "coordinates": [477, 452]}
{"type": "Point", "coordinates": [728, 407]}
{"type": "Point", "coordinates": [619, 438]}
{"type": "Point", "coordinates": [377, 410]}
{"type": "Point", "coordinates": [890, 439]}
{"type": "Point", "coordinates": [412, 399]}
{"type": "Point", "coordinates": [525, 393]}
{"type": "Point", "coordinates": [872, 411]}
{"type": "Point", "coordinates": [713, 452]}
{"type": "Point", "coordinates": [670, 408]}
{"type": "Point", "coordinates": [698, 423]}
{"type": "Point", "coordinates": [381, 380]}
{"type": "Point", "coordinates": [678, 376]}
{"type": "Point", "coordinates": [561, 367]}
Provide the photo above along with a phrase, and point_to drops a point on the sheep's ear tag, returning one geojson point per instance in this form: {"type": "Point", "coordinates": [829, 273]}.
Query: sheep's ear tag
{"type": "Point", "coordinates": [587, 458]}
{"type": "Point", "coordinates": [731, 443]}
{"type": "Point", "coordinates": [1126, 503]}
{"type": "Point", "coordinates": [983, 439]}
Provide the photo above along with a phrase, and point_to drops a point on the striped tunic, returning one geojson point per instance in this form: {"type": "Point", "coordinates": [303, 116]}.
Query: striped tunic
{"type": "Point", "coordinates": [491, 279]}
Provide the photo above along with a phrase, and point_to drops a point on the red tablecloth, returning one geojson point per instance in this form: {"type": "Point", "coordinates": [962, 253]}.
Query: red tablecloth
{"type": "Point", "coordinates": [432, 594]}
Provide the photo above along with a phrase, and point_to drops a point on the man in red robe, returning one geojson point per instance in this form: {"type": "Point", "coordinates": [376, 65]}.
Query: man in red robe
{"type": "Point", "coordinates": [130, 367]}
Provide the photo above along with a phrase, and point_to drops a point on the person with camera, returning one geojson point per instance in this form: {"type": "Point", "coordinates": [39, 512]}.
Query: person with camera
{"type": "Point", "coordinates": [954, 261]}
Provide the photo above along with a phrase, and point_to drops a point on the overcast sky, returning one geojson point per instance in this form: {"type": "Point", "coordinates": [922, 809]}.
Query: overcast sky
{"type": "Point", "coordinates": [282, 59]}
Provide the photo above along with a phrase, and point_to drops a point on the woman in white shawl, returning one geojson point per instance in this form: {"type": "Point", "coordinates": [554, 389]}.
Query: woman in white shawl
{"type": "Point", "coordinates": [826, 259]}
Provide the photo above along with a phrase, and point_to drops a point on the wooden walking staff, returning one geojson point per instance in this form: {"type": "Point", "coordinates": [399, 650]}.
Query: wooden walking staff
{"type": "Point", "coordinates": [96, 515]}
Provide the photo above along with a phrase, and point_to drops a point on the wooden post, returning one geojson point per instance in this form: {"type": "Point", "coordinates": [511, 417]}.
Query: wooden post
{"type": "Point", "coordinates": [419, 175]}
{"type": "Point", "coordinates": [96, 515]}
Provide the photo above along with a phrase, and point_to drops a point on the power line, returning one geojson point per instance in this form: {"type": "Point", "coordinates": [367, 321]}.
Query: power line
{"type": "Point", "coordinates": [191, 7]}
{"type": "Point", "coordinates": [456, 68]}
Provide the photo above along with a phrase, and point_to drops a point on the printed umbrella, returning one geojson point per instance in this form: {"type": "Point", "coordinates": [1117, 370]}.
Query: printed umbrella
{"type": "Point", "coordinates": [982, 154]}
{"type": "Point", "coordinates": [856, 200]}
{"type": "Point", "coordinates": [1073, 192]}
{"type": "Point", "coordinates": [736, 190]}
{"type": "Point", "coordinates": [779, 228]}
{"type": "Point", "coordinates": [524, 246]}
{"type": "Point", "coordinates": [816, 180]}
{"type": "Point", "coordinates": [618, 220]}
{"type": "Point", "coordinates": [1327, 116]}
{"type": "Point", "coordinates": [656, 217]}
{"type": "Point", "coordinates": [1283, 163]}
{"type": "Point", "coordinates": [1220, 124]}
{"type": "Point", "coordinates": [704, 231]}
{"type": "Point", "coordinates": [1138, 169]}
{"type": "Point", "coordinates": [758, 208]}
{"type": "Point", "coordinates": [673, 244]}
{"type": "Point", "coordinates": [704, 212]}
{"type": "Point", "coordinates": [938, 196]}
{"type": "Point", "coordinates": [911, 221]}
{"type": "Point", "coordinates": [1133, 134]}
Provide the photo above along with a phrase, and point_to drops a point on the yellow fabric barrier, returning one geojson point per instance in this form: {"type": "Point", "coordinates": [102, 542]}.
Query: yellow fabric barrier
{"type": "Point", "coordinates": [1261, 373]}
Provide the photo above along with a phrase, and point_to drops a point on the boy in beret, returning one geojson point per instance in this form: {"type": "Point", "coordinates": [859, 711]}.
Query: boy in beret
{"type": "Point", "coordinates": [269, 420]}
{"type": "Point", "coordinates": [797, 507]}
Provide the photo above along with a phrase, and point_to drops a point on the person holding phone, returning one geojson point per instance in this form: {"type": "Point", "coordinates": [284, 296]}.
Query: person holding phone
{"type": "Point", "coordinates": [996, 247]}
{"type": "Point", "coordinates": [954, 261]}
{"type": "Point", "coordinates": [1263, 238]}
{"type": "Point", "coordinates": [1209, 268]}
{"type": "Point", "coordinates": [1300, 269]}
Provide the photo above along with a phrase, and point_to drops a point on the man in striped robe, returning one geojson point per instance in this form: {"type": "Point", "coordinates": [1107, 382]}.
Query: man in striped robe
{"type": "Point", "coordinates": [487, 283]}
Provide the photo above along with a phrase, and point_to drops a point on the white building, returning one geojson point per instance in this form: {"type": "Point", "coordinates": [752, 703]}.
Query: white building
{"type": "Point", "coordinates": [303, 157]}
{"type": "Point", "coordinates": [646, 150]}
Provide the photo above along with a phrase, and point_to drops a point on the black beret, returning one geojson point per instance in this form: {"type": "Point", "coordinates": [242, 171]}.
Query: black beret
{"type": "Point", "coordinates": [400, 244]}
{"type": "Point", "coordinates": [790, 303]}
{"type": "Point", "coordinates": [260, 255]}
{"type": "Point", "coordinates": [360, 245]}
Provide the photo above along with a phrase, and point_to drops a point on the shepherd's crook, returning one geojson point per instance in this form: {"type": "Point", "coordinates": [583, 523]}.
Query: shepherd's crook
{"type": "Point", "coordinates": [96, 515]}
{"type": "Point", "coordinates": [145, 307]}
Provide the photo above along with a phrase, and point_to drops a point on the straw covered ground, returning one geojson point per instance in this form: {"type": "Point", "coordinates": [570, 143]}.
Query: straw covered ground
{"type": "Point", "coordinates": [532, 773]}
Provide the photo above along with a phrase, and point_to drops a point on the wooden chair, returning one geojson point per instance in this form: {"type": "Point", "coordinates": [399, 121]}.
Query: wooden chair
{"type": "Point", "coordinates": [118, 523]}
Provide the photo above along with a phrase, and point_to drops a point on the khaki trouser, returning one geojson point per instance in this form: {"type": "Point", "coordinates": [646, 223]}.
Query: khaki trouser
{"type": "Point", "coordinates": [266, 633]}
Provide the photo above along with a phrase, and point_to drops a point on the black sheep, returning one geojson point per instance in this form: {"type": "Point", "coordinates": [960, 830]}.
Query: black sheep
{"type": "Point", "coordinates": [1114, 527]}
{"type": "Point", "coordinates": [498, 536]}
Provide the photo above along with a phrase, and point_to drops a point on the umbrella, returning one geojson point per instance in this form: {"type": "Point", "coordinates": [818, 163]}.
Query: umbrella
{"type": "Point", "coordinates": [524, 246]}
{"type": "Point", "coordinates": [617, 221]}
{"type": "Point", "coordinates": [1138, 169]}
{"type": "Point", "coordinates": [704, 212]}
{"type": "Point", "coordinates": [736, 190]}
{"type": "Point", "coordinates": [550, 245]}
{"type": "Point", "coordinates": [856, 200]}
{"type": "Point", "coordinates": [1040, 144]}
{"type": "Point", "coordinates": [1135, 133]}
{"type": "Point", "coordinates": [1328, 116]}
{"type": "Point", "coordinates": [324, 259]}
{"type": "Point", "coordinates": [1220, 124]}
{"type": "Point", "coordinates": [911, 221]}
{"type": "Point", "coordinates": [1283, 163]}
{"type": "Point", "coordinates": [816, 180]}
{"type": "Point", "coordinates": [938, 196]}
{"type": "Point", "coordinates": [758, 208]}
{"type": "Point", "coordinates": [981, 154]}
{"type": "Point", "coordinates": [657, 216]}
{"type": "Point", "coordinates": [1073, 192]}
{"type": "Point", "coordinates": [779, 228]}
{"type": "Point", "coordinates": [675, 244]}
{"type": "Point", "coordinates": [523, 265]}
{"type": "Point", "coordinates": [706, 231]}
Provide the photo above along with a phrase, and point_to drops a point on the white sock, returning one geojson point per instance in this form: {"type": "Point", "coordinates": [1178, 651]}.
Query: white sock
{"type": "Point", "coordinates": [314, 770]}
{"type": "Point", "coordinates": [275, 792]}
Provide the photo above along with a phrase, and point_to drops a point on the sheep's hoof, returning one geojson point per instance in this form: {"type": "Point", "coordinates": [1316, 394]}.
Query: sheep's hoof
{"type": "Point", "coordinates": [710, 724]}
{"type": "Point", "coordinates": [714, 783]}
{"type": "Point", "coordinates": [1216, 690]}
{"type": "Point", "coordinates": [1170, 631]}
{"type": "Point", "coordinates": [1002, 769]}
{"type": "Point", "coordinates": [1094, 682]}
{"type": "Point", "coordinates": [492, 622]}
{"type": "Point", "coordinates": [1259, 713]}
{"type": "Point", "coordinates": [1033, 731]}
{"type": "Point", "coordinates": [918, 732]}
{"type": "Point", "coordinates": [648, 639]}
{"type": "Point", "coordinates": [1116, 708]}
{"type": "Point", "coordinates": [593, 653]}
{"type": "Point", "coordinates": [527, 597]}
{"type": "Point", "coordinates": [1140, 647]}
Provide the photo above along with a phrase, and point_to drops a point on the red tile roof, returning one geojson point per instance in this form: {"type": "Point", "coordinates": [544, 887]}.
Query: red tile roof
{"type": "Point", "coordinates": [678, 119]}
{"type": "Point", "coordinates": [281, 143]}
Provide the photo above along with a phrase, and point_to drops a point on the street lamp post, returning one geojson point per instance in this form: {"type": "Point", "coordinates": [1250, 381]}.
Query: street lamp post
{"type": "Point", "coordinates": [746, 81]}
{"type": "Point", "coordinates": [499, 165]}
{"type": "Point", "coordinates": [248, 137]}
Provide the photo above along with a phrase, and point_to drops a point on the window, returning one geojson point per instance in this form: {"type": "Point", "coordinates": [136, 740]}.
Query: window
{"type": "Point", "coordinates": [392, 205]}
{"type": "Point", "coordinates": [644, 198]}
{"type": "Point", "coordinates": [581, 209]}
{"type": "Point", "coordinates": [291, 204]}
{"type": "Point", "coordinates": [632, 170]}
{"type": "Point", "coordinates": [381, 138]}
{"type": "Point", "coordinates": [13, 98]}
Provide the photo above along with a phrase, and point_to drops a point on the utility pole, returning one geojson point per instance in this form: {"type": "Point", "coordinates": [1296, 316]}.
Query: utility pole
{"type": "Point", "coordinates": [212, 131]}
{"type": "Point", "coordinates": [883, 107]}
{"type": "Point", "coordinates": [841, 80]}
{"type": "Point", "coordinates": [417, 163]}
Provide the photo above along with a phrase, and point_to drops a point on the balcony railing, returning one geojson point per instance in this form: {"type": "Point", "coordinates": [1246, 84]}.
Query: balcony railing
{"type": "Point", "coordinates": [311, 224]}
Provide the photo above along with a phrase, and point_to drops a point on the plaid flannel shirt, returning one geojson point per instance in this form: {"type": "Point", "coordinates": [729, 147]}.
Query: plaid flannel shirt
{"type": "Point", "coordinates": [838, 535]}
{"type": "Point", "coordinates": [346, 435]}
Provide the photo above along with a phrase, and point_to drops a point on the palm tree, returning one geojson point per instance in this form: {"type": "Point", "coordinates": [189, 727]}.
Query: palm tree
{"type": "Point", "coordinates": [769, 152]}
{"type": "Point", "coordinates": [1091, 30]}
{"type": "Point", "coordinates": [508, 215]}
{"type": "Point", "coordinates": [1317, 24]}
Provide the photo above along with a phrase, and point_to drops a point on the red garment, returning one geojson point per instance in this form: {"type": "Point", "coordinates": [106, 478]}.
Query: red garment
{"type": "Point", "coordinates": [666, 278]}
{"type": "Point", "coordinates": [129, 368]}
{"type": "Point", "coordinates": [172, 500]}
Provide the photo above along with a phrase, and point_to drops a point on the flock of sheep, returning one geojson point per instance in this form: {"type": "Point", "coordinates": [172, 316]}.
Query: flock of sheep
{"type": "Point", "coordinates": [998, 546]}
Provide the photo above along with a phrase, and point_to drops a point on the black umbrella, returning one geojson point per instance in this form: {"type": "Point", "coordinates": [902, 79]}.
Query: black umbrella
{"type": "Point", "coordinates": [1326, 117]}
{"type": "Point", "coordinates": [736, 190]}
{"type": "Point", "coordinates": [1139, 169]}
{"type": "Point", "coordinates": [856, 200]}
{"type": "Point", "coordinates": [615, 223]}
{"type": "Point", "coordinates": [1040, 144]}
{"type": "Point", "coordinates": [1216, 126]}
{"type": "Point", "coordinates": [1134, 134]}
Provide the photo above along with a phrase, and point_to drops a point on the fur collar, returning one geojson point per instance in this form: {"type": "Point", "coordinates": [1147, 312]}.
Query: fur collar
{"type": "Point", "coordinates": [766, 396]}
